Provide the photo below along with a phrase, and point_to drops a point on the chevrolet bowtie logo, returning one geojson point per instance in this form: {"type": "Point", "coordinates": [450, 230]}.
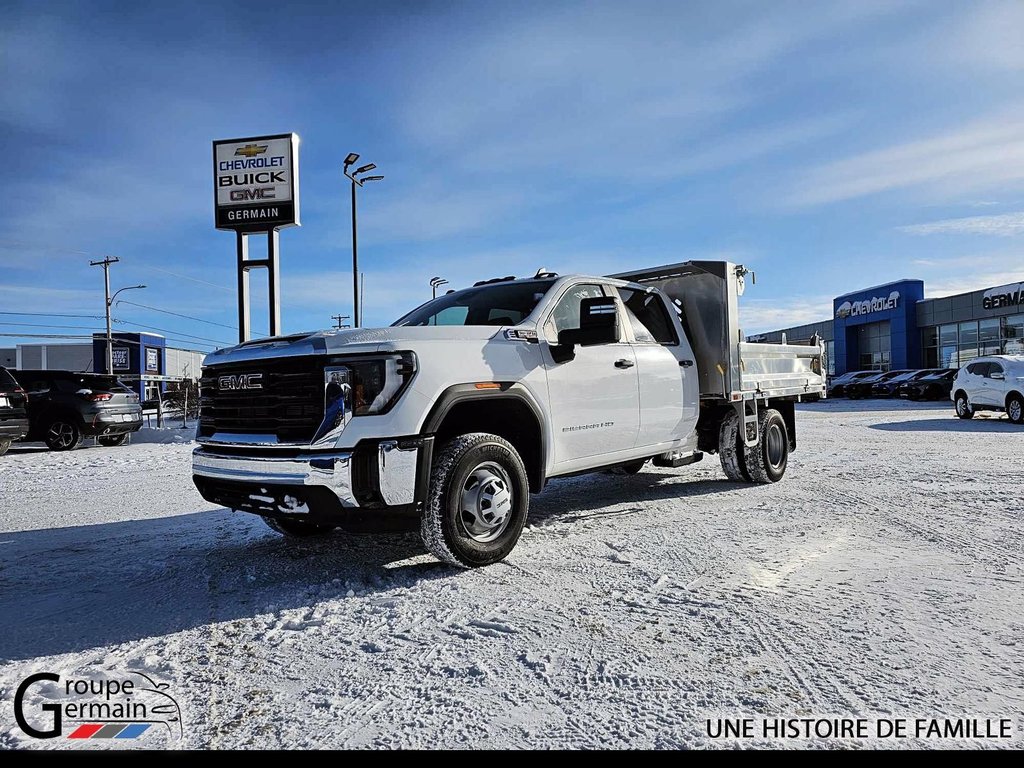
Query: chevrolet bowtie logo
{"type": "Point", "coordinates": [251, 150]}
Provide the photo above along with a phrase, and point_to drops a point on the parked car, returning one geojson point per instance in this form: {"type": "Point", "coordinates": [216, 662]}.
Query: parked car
{"type": "Point", "coordinates": [64, 407]}
{"type": "Point", "coordinates": [888, 387]}
{"type": "Point", "coordinates": [934, 385]}
{"type": "Point", "coordinates": [13, 419]}
{"type": "Point", "coordinates": [839, 384]}
{"type": "Point", "coordinates": [993, 383]}
{"type": "Point", "coordinates": [862, 387]}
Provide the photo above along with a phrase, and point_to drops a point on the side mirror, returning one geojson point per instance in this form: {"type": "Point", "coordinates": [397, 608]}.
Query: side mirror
{"type": "Point", "coordinates": [599, 324]}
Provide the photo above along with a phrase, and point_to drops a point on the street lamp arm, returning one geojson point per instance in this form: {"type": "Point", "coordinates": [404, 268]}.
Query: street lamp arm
{"type": "Point", "coordinates": [110, 301]}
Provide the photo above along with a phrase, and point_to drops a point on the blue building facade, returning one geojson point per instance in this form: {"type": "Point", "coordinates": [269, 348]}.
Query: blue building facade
{"type": "Point", "coordinates": [876, 328]}
{"type": "Point", "coordinates": [135, 355]}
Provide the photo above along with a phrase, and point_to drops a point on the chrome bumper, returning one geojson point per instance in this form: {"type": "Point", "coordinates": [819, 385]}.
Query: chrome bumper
{"type": "Point", "coordinates": [396, 475]}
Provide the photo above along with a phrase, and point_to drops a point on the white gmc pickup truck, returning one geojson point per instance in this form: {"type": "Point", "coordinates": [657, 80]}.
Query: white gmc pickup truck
{"type": "Point", "coordinates": [449, 419]}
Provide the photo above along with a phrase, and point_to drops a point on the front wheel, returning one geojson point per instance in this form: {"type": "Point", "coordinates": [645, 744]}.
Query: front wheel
{"type": "Point", "coordinates": [963, 407]}
{"type": "Point", "coordinates": [63, 436]}
{"type": "Point", "coordinates": [298, 529]}
{"type": "Point", "coordinates": [1014, 409]}
{"type": "Point", "coordinates": [766, 462]}
{"type": "Point", "coordinates": [478, 501]}
{"type": "Point", "coordinates": [112, 441]}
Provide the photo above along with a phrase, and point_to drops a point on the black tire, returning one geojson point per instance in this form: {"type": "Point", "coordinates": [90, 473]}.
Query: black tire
{"type": "Point", "coordinates": [628, 469]}
{"type": "Point", "coordinates": [297, 529]}
{"type": "Point", "coordinates": [474, 478]}
{"type": "Point", "coordinates": [766, 462]}
{"type": "Point", "coordinates": [62, 435]}
{"type": "Point", "coordinates": [730, 448]}
{"type": "Point", "coordinates": [962, 406]}
{"type": "Point", "coordinates": [1014, 409]}
{"type": "Point", "coordinates": [4, 446]}
{"type": "Point", "coordinates": [112, 441]}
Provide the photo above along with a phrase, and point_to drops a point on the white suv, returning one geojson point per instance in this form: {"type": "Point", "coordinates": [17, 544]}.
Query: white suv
{"type": "Point", "coordinates": [993, 383]}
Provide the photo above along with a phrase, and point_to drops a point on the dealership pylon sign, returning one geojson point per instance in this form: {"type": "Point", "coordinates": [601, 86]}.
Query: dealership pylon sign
{"type": "Point", "coordinates": [256, 183]}
{"type": "Point", "coordinates": [256, 190]}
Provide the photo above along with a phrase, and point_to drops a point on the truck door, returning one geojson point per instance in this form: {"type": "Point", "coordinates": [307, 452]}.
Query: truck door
{"type": "Point", "coordinates": [666, 367]}
{"type": "Point", "coordinates": [594, 398]}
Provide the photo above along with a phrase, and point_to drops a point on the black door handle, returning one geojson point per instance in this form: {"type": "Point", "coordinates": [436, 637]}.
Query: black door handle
{"type": "Point", "coordinates": [624, 363]}
{"type": "Point", "coordinates": [686, 363]}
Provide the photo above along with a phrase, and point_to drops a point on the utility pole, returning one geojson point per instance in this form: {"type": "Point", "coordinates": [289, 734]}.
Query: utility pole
{"type": "Point", "coordinates": [340, 320]}
{"type": "Point", "coordinates": [106, 303]}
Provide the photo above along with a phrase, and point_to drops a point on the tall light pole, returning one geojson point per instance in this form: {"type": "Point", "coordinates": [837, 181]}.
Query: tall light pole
{"type": "Point", "coordinates": [357, 312]}
{"type": "Point", "coordinates": [435, 283]}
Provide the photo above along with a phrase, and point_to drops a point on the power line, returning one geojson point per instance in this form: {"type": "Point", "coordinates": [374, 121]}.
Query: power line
{"type": "Point", "coordinates": [177, 314]}
{"type": "Point", "coordinates": [185, 277]}
{"type": "Point", "coordinates": [48, 325]}
{"type": "Point", "coordinates": [53, 314]}
{"type": "Point", "coordinates": [179, 333]}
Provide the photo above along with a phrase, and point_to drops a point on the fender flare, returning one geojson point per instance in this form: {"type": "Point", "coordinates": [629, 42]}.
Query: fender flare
{"type": "Point", "coordinates": [458, 394]}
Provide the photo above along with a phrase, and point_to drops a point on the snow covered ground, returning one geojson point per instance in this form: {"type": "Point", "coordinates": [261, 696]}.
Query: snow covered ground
{"type": "Point", "coordinates": [883, 576]}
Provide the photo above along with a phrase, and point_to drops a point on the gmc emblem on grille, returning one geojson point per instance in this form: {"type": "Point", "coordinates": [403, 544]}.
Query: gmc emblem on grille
{"type": "Point", "coordinates": [241, 381]}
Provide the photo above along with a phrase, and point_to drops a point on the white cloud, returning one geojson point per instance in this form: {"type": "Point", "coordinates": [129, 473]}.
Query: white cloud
{"type": "Point", "coordinates": [1002, 225]}
{"type": "Point", "coordinates": [760, 315]}
{"type": "Point", "coordinates": [981, 155]}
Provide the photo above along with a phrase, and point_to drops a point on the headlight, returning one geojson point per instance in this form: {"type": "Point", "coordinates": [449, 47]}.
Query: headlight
{"type": "Point", "coordinates": [362, 386]}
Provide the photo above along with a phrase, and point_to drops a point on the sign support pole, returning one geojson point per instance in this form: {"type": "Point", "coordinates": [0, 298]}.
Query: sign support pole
{"type": "Point", "coordinates": [273, 282]}
{"type": "Point", "coordinates": [244, 328]}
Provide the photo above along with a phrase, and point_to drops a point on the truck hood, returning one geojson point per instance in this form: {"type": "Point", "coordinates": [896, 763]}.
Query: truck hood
{"type": "Point", "coordinates": [355, 340]}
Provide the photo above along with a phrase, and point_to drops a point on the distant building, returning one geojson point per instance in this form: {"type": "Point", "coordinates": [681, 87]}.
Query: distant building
{"type": "Point", "coordinates": [893, 326]}
{"type": "Point", "coordinates": [136, 356]}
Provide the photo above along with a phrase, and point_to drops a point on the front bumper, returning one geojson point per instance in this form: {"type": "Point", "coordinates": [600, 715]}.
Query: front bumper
{"type": "Point", "coordinates": [375, 482]}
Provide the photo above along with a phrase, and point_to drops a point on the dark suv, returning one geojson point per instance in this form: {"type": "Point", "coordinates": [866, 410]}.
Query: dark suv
{"type": "Point", "coordinates": [64, 407]}
{"type": "Point", "coordinates": [13, 420]}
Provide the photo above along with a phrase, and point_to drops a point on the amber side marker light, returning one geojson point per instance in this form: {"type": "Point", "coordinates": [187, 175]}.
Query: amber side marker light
{"type": "Point", "coordinates": [487, 385]}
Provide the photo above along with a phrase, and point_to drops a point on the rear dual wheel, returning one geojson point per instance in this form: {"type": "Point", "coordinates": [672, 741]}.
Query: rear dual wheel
{"type": "Point", "coordinates": [765, 462]}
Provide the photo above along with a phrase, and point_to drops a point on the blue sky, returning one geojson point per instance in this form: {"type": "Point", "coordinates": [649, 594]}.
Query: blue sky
{"type": "Point", "coordinates": [827, 146]}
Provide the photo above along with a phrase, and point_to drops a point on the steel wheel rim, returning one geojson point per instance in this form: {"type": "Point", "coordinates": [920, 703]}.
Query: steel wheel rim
{"type": "Point", "coordinates": [775, 446]}
{"type": "Point", "coordinates": [486, 502]}
{"type": "Point", "coordinates": [1015, 410]}
{"type": "Point", "coordinates": [62, 434]}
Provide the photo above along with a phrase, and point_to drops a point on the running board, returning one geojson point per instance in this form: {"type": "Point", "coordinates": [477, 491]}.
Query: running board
{"type": "Point", "coordinates": [677, 459]}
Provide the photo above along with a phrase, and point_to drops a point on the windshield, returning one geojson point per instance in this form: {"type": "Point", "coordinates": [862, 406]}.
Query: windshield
{"type": "Point", "coordinates": [496, 304]}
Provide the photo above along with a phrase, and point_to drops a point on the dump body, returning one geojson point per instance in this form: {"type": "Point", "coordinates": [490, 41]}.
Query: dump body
{"type": "Point", "coordinates": [706, 295]}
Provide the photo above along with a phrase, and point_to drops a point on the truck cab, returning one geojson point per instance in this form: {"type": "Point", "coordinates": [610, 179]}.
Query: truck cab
{"type": "Point", "coordinates": [450, 418]}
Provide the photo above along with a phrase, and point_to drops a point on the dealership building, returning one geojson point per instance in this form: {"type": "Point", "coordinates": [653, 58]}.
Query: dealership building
{"type": "Point", "coordinates": [892, 326]}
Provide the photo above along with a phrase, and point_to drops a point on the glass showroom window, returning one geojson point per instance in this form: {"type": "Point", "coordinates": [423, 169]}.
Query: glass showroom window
{"type": "Point", "coordinates": [947, 346]}
{"type": "Point", "coordinates": [1013, 335]}
{"type": "Point", "coordinates": [930, 346]}
{"type": "Point", "coordinates": [988, 336]}
{"type": "Point", "coordinates": [968, 341]}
